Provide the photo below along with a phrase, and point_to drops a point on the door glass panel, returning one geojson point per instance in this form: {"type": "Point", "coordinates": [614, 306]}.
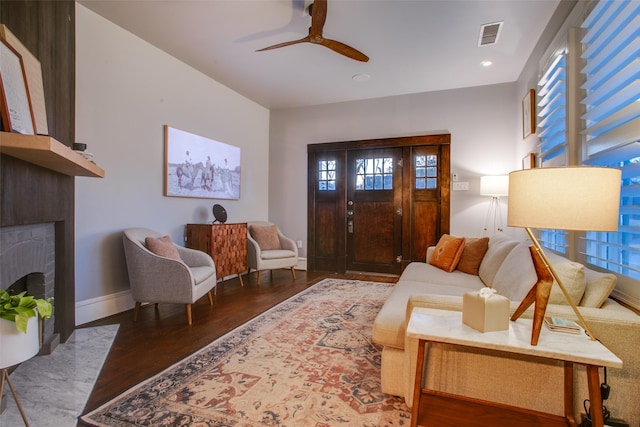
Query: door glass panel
{"type": "Point", "coordinates": [327, 175]}
{"type": "Point", "coordinates": [426, 171]}
{"type": "Point", "coordinates": [374, 174]}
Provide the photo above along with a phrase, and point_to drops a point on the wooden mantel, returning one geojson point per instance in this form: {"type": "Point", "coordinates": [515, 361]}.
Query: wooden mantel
{"type": "Point", "coordinates": [47, 152]}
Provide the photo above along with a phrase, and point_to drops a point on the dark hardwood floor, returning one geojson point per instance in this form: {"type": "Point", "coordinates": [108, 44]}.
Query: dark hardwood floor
{"type": "Point", "coordinates": [161, 336]}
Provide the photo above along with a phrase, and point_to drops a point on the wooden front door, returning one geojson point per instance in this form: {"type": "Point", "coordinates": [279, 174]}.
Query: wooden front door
{"type": "Point", "coordinates": [374, 210]}
{"type": "Point", "coordinates": [376, 205]}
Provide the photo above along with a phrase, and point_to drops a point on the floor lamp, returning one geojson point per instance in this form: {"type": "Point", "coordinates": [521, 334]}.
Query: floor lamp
{"type": "Point", "coordinates": [494, 186]}
{"type": "Point", "coordinates": [565, 198]}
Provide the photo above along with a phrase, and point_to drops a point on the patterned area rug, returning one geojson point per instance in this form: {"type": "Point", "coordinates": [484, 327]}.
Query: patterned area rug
{"type": "Point", "coordinates": [309, 361]}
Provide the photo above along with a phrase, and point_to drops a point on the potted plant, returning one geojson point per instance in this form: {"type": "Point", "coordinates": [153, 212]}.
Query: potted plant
{"type": "Point", "coordinates": [19, 332]}
{"type": "Point", "coordinates": [21, 307]}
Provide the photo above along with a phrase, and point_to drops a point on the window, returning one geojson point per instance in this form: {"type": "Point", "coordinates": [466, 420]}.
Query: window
{"type": "Point", "coordinates": [611, 48]}
{"type": "Point", "coordinates": [327, 175]}
{"type": "Point", "coordinates": [552, 132]}
{"type": "Point", "coordinates": [374, 174]}
{"type": "Point", "coordinates": [426, 167]}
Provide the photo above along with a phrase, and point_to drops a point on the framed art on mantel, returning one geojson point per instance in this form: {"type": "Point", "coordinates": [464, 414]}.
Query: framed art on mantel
{"type": "Point", "coordinates": [528, 114]}
{"type": "Point", "coordinates": [15, 106]}
{"type": "Point", "coordinates": [196, 166]}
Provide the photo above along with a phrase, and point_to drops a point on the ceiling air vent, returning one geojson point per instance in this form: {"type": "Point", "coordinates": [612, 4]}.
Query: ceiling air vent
{"type": "Point", "coordinates": [489, 33]}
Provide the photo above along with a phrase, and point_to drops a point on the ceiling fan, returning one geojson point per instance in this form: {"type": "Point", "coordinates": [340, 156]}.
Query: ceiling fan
{"type": "Point", "coordinates": [318, 11]}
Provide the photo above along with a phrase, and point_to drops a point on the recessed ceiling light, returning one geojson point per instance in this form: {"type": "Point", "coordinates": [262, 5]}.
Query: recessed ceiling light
{"type": "Point", "coordinates": [486, 63]}
{"type": "Point", "coordinates": [360, 77]}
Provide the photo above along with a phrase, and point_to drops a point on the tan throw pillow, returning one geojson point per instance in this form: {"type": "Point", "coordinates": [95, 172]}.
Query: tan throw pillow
{"type": "Point", "coordinates": [598, 288]}
{"type": "Point", "coordinates": [572, 276]}
{"type": "Point", "coordinates": [447, 253]}
{"type": "Point", "coordinates": [266, 236]}
{"type": "Point", "coordinates": [162, 246]}
{"type": "Point", "coordinates": [472, 254]}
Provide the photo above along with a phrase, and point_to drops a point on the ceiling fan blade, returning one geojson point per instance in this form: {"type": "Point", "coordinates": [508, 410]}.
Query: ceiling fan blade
{"type": "Point", "coordinates": [318, 17]}
{"type": "Point", "coordinates": [289, 43]}
{"type": "Point", "coordinates": [344, 49]}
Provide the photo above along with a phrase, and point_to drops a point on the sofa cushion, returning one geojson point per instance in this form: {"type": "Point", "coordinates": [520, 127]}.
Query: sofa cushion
{"type": "Point", "coordinates": [500, 245]}
{"type": "Point", "coordinates": [598, 287]}
{"type": "Point", "coordinates": [447, 252]}
{"type": "Point", "coordinates": [472, 254]}
{"type": "Point", "coordinates": [572, 276]}
{"type": "Point", "coordinates": [516, 275]}
{"type": "Point", "coordinates": [390, 324]}
{"type": "Point", "coordinates": [266, 236]}
{"type": "Point", "coordinates": [429, 274]}
{"type": "Point", "coordinates": [162, 246]}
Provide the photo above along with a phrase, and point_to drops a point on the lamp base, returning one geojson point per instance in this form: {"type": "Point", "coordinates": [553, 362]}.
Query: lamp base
{"type": "Point", "coordinates": [538, 294]}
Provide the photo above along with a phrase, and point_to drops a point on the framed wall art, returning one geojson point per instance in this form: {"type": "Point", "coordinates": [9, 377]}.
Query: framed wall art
{"type": "Point", "coordinates": [196, 166]}
{"type": "Point", "coordinates": [528, 113]}
{"type": "Point", "coordinates": [15, 106]}
{"type": "Point", "coordinates": [529, 161]}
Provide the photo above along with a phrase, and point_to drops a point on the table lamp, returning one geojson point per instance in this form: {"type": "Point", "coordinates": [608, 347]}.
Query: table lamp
{"type": "Point", "coordinates": [495, 187]}
{"type": "Point", "coordinates": [566, 198]}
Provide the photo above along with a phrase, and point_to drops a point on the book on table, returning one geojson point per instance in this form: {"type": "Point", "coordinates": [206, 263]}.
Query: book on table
{"type": "Point", "coordinates": [559, 324]}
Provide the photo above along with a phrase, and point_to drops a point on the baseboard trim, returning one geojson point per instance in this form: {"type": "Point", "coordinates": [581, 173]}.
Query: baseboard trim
{"type": "Point", "coordinates": [302, 264]}
{"type": "Point", "coordinates": [108, 305]}
{"type": "Point", "coordinates": [101, 307]}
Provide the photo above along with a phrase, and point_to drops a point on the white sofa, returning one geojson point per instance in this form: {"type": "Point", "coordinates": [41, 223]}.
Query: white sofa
{"type": "Point", "coordinates": [507, 267]}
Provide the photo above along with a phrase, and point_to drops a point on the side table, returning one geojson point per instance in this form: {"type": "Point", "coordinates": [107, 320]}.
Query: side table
{"type": "Point", "coordinates": [446, 327]}
{"type": "Point", "coordinates": [226, 243]}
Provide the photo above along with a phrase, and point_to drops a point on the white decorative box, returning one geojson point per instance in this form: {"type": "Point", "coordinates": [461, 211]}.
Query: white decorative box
{"type": "Point", "coordinates": [485, 310]}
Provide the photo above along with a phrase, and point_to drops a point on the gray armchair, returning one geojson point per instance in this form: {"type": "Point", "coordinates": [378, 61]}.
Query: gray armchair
{"type": "Point", "coordinates": [180, 279]}
{"type": "Point", "coordinates": [282, 254]}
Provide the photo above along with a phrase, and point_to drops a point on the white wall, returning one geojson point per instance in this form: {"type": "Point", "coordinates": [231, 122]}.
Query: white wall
{"type": "Point", "coordinates": [484, 141]}
{"type": "Point", "coordinates": [126, 91]}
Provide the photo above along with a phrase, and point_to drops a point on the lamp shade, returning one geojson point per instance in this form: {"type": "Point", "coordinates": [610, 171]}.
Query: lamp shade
{"type": "Point", "coordinates": [567, 198]}
{"type": "Point", "coordinates": [494, 185]}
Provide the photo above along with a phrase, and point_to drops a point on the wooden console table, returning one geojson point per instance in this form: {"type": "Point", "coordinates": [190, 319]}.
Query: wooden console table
{"type": "Point", "coordinates": [226, 243]}
{"type": "Point", "coordinates": [446, 327]}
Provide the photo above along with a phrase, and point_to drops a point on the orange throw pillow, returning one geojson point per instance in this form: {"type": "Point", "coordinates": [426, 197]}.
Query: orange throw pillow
{"type": "Point", "coordinates": [447, 253]}
{"type": "Point", "coordinates": [162, 246]}
{"type": "Point", "coordinates": [472, 254]}
{"type": "Point", "coordinates": [266, 236]}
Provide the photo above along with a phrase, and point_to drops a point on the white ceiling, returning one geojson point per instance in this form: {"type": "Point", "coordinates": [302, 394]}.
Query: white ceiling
{"type": "Point", "coordinates": [414, 45]}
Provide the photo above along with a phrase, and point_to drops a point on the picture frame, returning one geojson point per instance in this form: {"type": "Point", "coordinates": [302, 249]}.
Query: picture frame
{"type": "Point", "coordinates": [15, 105]}
{"type": "Point", "coordinates": [196, 166]}
{"type": "Point", "coordinates": [33, 77]}
{"type": "Point", "coordinates": [528, 113]}
{"type": "Point", "coordinates": [529, 161]}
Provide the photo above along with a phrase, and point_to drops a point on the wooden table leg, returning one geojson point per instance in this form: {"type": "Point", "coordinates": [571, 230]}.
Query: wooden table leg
{"type": "Point", "coordinates": [417, 390]}
{"type": "Point", "coordinates": [595, 399]}
{"type": "Point", "coordinates": [568, 394]}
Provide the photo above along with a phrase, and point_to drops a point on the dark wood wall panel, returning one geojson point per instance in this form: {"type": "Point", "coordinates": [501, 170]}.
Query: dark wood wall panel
{"type": "Point", "coordinates": [31, 194]}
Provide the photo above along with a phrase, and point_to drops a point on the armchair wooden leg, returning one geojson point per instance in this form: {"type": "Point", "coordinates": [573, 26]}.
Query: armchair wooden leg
{"type": "Point", "coordinates": [136, 310]}
{"type": "Point", "coordinates": [259, 277]}
{"type": "Point", "coordinates": [293, 273]}
{"type": "Point", "coordinates": [210, 298]}
{"type": "Point", "coordinates": [188, 308]}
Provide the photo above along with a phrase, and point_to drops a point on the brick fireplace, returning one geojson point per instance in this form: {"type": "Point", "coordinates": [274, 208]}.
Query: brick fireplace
{"type": "Point", "coordinates": [27, 263]}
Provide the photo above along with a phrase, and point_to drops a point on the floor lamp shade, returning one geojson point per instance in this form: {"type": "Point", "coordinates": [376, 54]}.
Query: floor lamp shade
{"type": "Point", "coordinates": [567, 198]}
{"type": "Point", "coordinates": [494, 185]}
